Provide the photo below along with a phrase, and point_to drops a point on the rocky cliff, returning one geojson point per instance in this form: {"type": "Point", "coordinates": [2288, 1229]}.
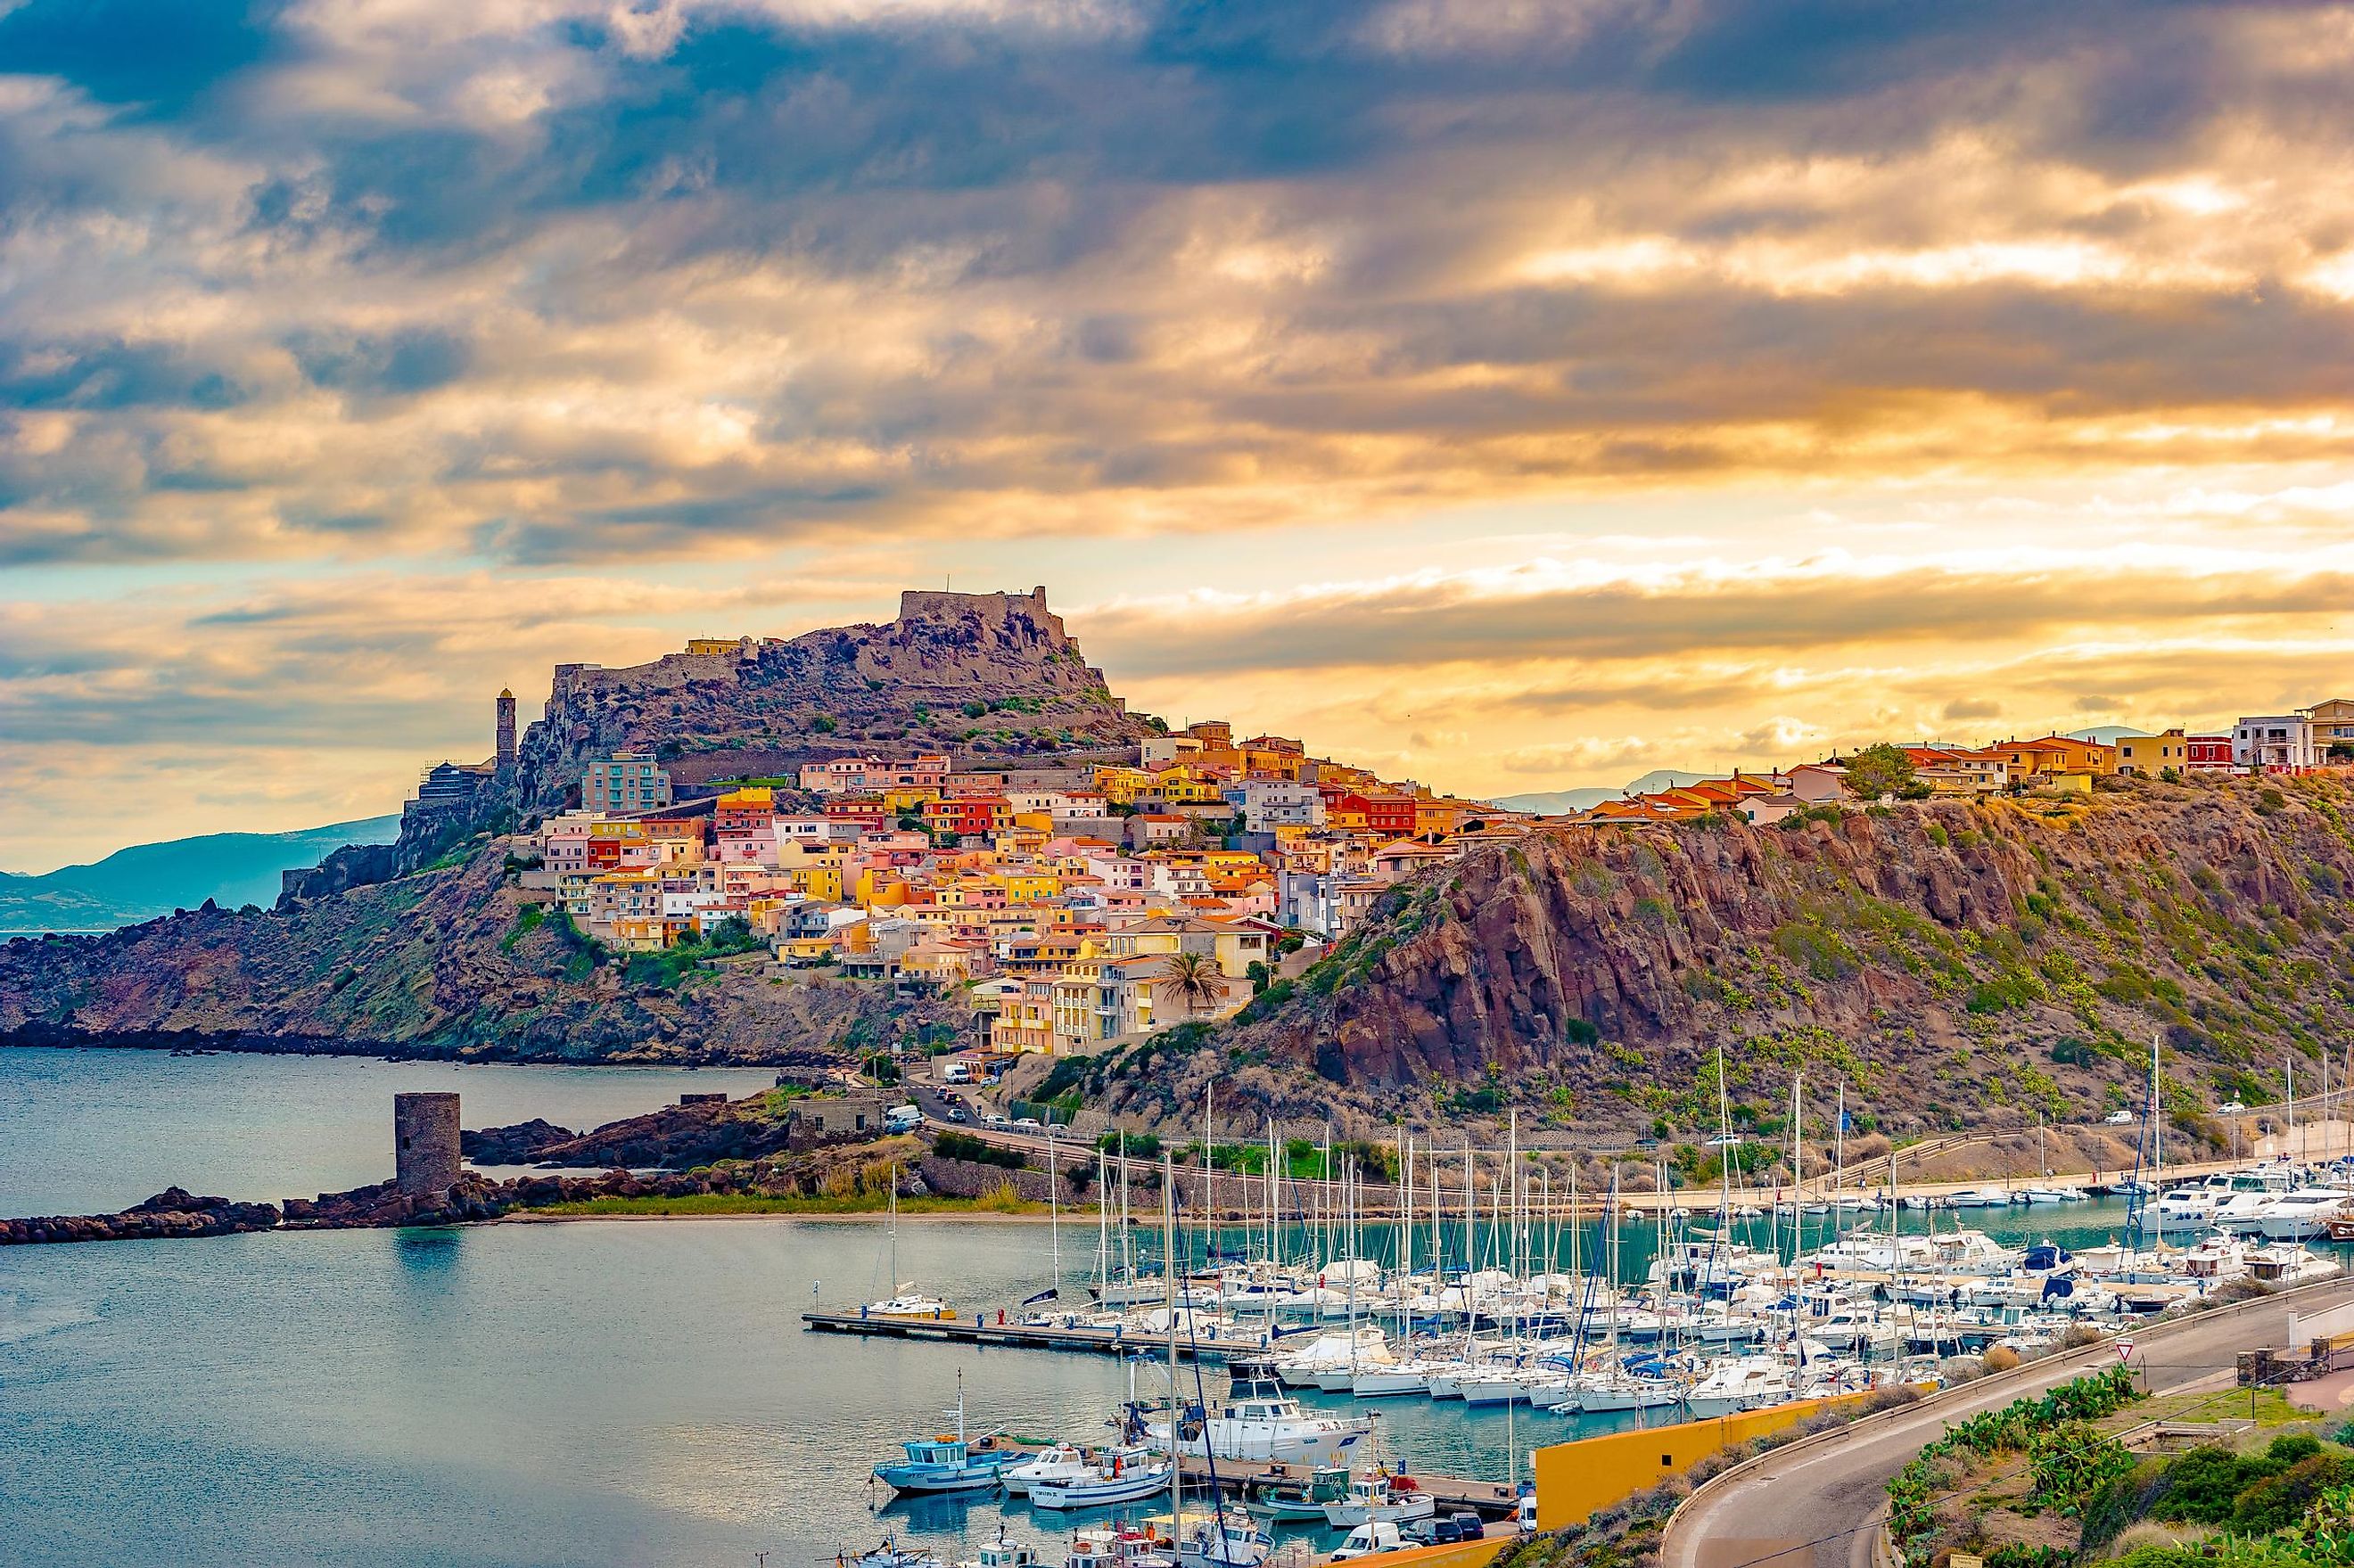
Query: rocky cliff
{"type": "Point", "coordinates": [1956, 964]}
{"type": "Point", "coordinates": [450, 962]}
{"type": "Point", "coordinates": [988, 675]}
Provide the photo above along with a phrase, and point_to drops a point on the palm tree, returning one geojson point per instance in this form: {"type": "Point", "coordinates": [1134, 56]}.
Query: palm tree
{"type": "Point", "coordinates": [1194, 980]}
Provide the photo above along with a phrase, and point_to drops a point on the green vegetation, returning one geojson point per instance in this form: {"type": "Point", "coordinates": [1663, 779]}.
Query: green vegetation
{"type": "Point", "coordinates": [1885, 770]}
{"type": "Point", "coordinates": [964, 1146]}
{"type": "Point", "coordinates": [2070, 1460]}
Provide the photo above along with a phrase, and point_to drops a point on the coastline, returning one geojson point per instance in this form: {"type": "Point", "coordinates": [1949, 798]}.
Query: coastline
{"type": "Point", "coordinates": [863, 1217]}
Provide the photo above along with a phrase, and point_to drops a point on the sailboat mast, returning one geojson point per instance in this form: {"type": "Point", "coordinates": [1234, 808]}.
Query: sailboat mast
{"type": "Point", "coordinates": [1054, 1207]}
{"type": "Point", "coordinates": [1176, 1414]}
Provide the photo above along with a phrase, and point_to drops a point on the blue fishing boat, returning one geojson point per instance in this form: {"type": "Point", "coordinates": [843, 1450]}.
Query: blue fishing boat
{"type": "Point", "coordinates": [948, 1464]}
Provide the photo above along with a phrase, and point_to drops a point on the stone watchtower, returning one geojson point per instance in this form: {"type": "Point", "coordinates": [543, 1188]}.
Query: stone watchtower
{"type": "Point", "coordinates": [425, 1143]}
{"type": "Point", "coordinates": [507, 751]}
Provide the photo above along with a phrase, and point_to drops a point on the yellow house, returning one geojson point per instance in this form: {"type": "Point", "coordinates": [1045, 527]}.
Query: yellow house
{"type": "Point", "coordinates": [2152, 753]}
{"type": "Point", "coordinates": [1121, 786]}
{"type": "Point", "coordinates": [819, 881]}
{"type": "Point", "coordinates": [906, 800]}
{"type": "Point", "coordinates": [880, 887]}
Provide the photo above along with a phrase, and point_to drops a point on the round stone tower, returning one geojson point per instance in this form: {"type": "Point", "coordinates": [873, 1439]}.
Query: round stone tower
{"type": "Point", "coordinates": [425, 1143]}
{"type": "Point", "coordinates": [506, 749]}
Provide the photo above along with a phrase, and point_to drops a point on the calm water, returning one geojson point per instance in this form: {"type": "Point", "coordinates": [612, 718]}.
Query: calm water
{"type": "Point", "coordinates": [93, 1131]}
{"type": "Point", "coordinates": [609, 1393]}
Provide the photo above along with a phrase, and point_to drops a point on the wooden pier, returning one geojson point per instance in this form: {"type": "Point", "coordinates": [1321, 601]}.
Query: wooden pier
{"type": "Point", "coordinates": [996, 1328]}
{"type": "Point", "coordinates": [1239, 1477]}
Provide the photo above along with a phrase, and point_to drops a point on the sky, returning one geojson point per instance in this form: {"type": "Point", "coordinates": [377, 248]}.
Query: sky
{"type": "Point", "coordinates": [1510, 396]}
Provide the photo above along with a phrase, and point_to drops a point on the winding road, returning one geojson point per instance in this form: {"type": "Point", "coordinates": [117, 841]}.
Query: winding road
{"type": "Point", "coordinates": [1816, 1504]}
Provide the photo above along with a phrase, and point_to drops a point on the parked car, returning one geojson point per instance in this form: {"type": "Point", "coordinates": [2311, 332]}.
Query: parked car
{"type": "Point", "coordinates": [1446, 1529]}
{"type": "Point", "coordinates": [2230, 1108]}
{"type": "Point", "coordinates": [2120, 1118]}
{"type": "Point", "coordinates": [1028, 1124]}
{"type": "Point", "coordinates": [990, 1118]}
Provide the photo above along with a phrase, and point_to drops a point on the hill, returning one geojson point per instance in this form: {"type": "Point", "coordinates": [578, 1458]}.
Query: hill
{"type": "Point", "coordinates": [994, 675]}
{"type": "Point", "coordinates": [1560, 802]}
{"type": "Point", "coordinates": [147, 880]}
{"type": "Point", "coordinates": [425, 946]}
{"type": "Point", "coordinates": [1960, 963]}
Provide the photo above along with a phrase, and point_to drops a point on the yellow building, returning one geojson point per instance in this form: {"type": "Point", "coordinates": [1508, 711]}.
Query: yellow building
{"type": "Point", "coordinates": [2153, 754]}
{"type": "Point", "coordinates": [907, 800]}
{"type": "Point", "coordinates": [1121, 786]}
{"type": "Point", "coordinates": [817, 881]}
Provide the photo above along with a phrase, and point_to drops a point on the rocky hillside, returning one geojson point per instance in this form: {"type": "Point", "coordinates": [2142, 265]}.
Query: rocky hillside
{"type": "Point", "coordinates": [448, 961]}
{"type": "Point", "coordinates": [991, 676]}
{"type": "Point", "coordinates": [1958, 964]}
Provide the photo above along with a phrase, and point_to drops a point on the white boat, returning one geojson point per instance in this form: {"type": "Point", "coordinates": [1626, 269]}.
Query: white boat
{"type": "Point", "coordinates": [1979, 1198]}
{"type": "Point", "coordinates": [1116, 1546]}
{"type": "Point", "coordinates": [1003, 1552]}
{"type": "Point", "coordinates": [1747, 1382]}
{"type": "Point", "coordinates": [1063, 1462]}
{"type": "Point", "coordinates": [1226, 1539]}
{"type": "Point", "coordinates": [1261, 1422]}
{"type": "Point", "coordinates": [1392, 1499]}
{"type": "Point", "coordinates": [2287, 1262]}
{"type": "Point", "coordinates": [1391, 1381]}
{"type": "Point", "coordinates": [1603, 1392]}
{"type": "Point", "coordinates": [888, 1555]}
{"type": "Point", "coordinates": [1120, 1480]}
{"type": "Point", "coordinates": [2303, 1213]}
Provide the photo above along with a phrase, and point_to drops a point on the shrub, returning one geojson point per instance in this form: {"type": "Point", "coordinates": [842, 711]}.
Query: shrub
{"type": "Point", "coordinates": [2279, 1502]}
{"type": "Point", "coordinates": [964, 1146]}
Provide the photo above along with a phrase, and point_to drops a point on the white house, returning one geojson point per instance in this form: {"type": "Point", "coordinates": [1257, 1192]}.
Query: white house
{"type": "Point", "coordinates": [2277, 743]}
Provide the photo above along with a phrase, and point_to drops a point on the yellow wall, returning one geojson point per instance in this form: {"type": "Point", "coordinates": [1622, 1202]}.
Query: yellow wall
{"type": "Point", "coordinates": [1575, 1479]}
{"type": "Point", "coordinates": [1467, 1554]}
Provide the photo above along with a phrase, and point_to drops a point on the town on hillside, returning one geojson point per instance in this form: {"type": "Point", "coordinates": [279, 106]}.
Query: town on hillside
{"type": "Point", "coordinates": [1081, 901]}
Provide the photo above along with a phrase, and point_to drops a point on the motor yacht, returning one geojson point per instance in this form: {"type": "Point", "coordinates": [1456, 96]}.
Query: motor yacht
{"type": "Point", "coordinates": [1747, 1382]}
{"type": "Point", "coordinates": [1259, 1421]}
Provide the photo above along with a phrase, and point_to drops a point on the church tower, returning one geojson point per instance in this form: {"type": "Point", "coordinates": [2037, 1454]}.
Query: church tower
{"type": "Point", "coordinates": [506, 753]}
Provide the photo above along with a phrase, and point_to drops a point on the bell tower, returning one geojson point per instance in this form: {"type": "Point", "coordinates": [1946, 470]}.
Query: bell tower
{"type": "Point", "coordinates": [507, 751]}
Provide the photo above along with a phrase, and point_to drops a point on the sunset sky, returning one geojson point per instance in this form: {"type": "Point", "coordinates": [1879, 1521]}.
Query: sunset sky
{"type": "Point", "coordinates": [1510, 396]}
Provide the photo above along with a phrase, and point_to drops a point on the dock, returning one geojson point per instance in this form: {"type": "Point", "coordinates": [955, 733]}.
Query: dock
{"type": "Point", "coordinates": [996, 1329]}
{"type": "Point", "coordinates": [1238, 1478]}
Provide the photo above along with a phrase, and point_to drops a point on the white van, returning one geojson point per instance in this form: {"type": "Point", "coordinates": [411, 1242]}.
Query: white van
{"type": "Point", "coordinates": [904, 1119]}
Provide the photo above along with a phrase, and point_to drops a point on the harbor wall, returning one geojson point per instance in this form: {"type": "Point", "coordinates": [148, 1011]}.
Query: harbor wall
{"type": "Point", "coordinates": [1575, 1480]}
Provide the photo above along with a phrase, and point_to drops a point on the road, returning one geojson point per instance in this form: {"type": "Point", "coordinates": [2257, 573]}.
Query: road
{"type": "Point", "coordinates": [1817, 1504]}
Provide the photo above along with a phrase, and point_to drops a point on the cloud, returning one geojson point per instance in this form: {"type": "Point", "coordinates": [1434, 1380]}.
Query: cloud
{"type": "Point", "coordinates": [1561, 386]}
{"type": "Point", "coordinates": [567, 281]}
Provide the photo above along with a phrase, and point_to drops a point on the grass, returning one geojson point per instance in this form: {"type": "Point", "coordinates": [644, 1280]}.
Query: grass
{"type": "Point", "coordinates": [688, 1204]}
{"type": "Point", "coordinates": [2271, 1408]}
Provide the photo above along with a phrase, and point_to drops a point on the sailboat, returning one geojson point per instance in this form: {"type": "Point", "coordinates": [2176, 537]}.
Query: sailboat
{"type": "Point", "coordinates": [908, 1303]}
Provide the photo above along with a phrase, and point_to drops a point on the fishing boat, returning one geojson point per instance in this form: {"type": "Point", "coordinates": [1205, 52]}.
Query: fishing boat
{"type": "Point", "coordinates": [1063, 1462]}
{"type": "Point", "coordinates": [1126, 1475]}
{"type": "Point", "coordinates": [887, 1555]}
{"type": "Point", "coordinates": [1003, 1552]}
{"type": "Point", "coordinates": [1223, 1540]}
{"type": "Point", "coordinates": [948, 1463]}
{"type": "Point", "coordinates": [1381, 1499]}
{"type": "Point", "coordinates": [1118, 1546]}
{"type": "Point", "coordinates": [1291, 1501]}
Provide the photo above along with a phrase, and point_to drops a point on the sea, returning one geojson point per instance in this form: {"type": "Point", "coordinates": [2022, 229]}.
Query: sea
{"type": "Point", "coordinates": [606, 1392]}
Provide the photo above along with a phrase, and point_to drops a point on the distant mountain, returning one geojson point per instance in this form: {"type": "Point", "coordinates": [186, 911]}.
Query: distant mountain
{"type": "Point", "coordinates": [1554, 803]}
{"type": "Point", "coordinates": [147, 880]}
{"type": "Point", "coordinates": [2106, 733]}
